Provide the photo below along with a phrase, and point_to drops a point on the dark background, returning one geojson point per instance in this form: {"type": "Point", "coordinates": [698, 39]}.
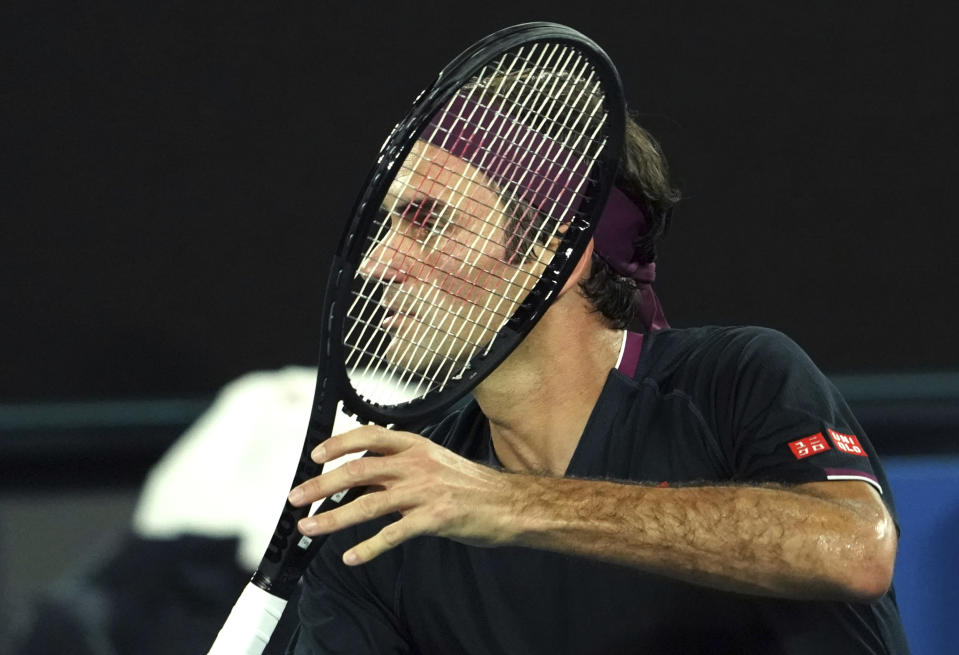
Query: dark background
{"type": "Point", "coordinates": [175, 174]}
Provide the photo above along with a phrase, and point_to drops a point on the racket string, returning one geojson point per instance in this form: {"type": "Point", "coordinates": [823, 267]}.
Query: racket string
{"type": "Point", "coordinates": [360, 317]}
{"type": "Point", "coordinates": [413, 272]}
{"type": "Point", "coordinates": [404, 355]}
{"type": "Point", "coordinates": [445, 207]}
{"type": "Point", "coordinates": [414, 342]}
{"type": "Point", "coordinates": [555, 228]}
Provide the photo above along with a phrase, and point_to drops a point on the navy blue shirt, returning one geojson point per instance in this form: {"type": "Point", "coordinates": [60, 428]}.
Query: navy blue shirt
{"type": "Point", "coordinates": [703, 406]}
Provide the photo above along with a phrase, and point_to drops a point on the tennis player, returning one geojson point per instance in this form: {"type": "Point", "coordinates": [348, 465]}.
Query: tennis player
{"type": "Point", "coordinates": [699, 490]}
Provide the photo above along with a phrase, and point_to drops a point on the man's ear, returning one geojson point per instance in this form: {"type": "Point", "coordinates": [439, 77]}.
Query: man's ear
{"type": "Point", "coordinates": [582, 269]}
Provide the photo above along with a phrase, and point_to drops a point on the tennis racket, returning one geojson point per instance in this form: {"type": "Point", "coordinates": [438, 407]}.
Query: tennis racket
{"type": "Point", "coordinates": [481, 202]}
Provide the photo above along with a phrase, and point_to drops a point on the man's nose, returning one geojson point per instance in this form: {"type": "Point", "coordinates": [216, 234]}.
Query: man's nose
{"type": "Point", "coordinates": [389, 260]}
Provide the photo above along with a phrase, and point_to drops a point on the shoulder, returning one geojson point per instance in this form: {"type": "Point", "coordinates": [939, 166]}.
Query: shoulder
{"type": "Point", "coordinates": [726, 366]}
{"type": "Point", "coordinates": [718, 348]}
{"type": "Point", "coordinates": [716, 336]}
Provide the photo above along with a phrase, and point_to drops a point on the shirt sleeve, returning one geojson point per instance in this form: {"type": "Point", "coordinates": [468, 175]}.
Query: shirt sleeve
{"type": "Point", "coordinates": [781, 420]}
{"type": "Point", "coordinates": [350, 610]}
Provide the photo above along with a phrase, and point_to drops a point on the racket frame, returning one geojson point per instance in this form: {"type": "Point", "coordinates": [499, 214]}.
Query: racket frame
{"type": "Point", "coordinates": [288, 553]}
{"type": "Point", "coordinates": [573, 243]}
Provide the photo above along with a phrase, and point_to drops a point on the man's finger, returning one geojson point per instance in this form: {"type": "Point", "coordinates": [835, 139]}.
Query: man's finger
{"type": "Point", "coordinates": [367, 437]}
{"type": "Point", "coordinates": [365, 508]}
{"type": "Point", "coordinates": [362, 472]}
{"type": "Point", "coordinates": [391, 536]}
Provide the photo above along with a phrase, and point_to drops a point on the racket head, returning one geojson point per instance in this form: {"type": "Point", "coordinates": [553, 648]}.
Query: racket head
{"type": "Point", "coordinates": [481, 202]}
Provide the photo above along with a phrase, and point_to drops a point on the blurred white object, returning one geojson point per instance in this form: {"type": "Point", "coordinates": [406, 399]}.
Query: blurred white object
{"type": "Point", "coordinates": [228, 475]}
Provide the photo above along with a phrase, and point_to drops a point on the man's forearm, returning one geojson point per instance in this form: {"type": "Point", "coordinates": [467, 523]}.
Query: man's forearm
{"type": "Point", "coordinates": [762, 540]}
{"type": "Point", "coordinates": [822, 540]}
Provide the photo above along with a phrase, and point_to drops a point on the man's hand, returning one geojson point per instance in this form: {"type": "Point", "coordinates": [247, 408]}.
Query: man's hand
{"type": "Point", "coordinates": [437, 492]}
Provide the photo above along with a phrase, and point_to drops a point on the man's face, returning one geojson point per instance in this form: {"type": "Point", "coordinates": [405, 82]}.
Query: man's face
{"type": "Point", "coordinates": [450, 278]}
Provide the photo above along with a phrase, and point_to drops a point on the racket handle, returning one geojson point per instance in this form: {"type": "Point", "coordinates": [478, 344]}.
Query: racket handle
{"type": "Point", "coordinates": [250, 625]}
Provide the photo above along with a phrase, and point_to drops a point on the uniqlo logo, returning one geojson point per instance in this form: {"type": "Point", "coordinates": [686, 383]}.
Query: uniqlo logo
{"type": "Point", "coordinates": [814, 443]}
{"type": "Point", "coordinates": [847, 443]}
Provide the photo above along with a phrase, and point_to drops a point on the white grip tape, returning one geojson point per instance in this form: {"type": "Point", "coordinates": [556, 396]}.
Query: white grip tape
{"type": "Point", "coordinates": [251, 623]}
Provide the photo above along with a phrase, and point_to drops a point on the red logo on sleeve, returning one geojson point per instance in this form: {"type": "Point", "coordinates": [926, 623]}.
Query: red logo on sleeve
{"type": "Point", "coordinates": [847, 443]}
{"type": "Point", "coordinates": [811, 445]}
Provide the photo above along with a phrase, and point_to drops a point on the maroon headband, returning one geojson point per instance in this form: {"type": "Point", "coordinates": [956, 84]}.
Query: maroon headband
{"type": "Point", "coordinates": [617, 240]}
{"type": "Point", "coordinates": [534, 168]}
{"type": "Point", "coordinates": [549, 175]}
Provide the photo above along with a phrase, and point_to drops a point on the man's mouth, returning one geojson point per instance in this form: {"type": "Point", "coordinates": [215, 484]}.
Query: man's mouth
{"type": "Point", "coordinates": [395, 314]}
{"type": "Point", "coordinates": [397, 306]}
{"type": "Point", "coordinates": [388, 320]}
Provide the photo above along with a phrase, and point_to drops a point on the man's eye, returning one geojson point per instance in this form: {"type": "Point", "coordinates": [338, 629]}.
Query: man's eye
{"type": "Point", "coordinates": [422, 216]}
{"type": "Point", "coordinates": [419, 213]}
